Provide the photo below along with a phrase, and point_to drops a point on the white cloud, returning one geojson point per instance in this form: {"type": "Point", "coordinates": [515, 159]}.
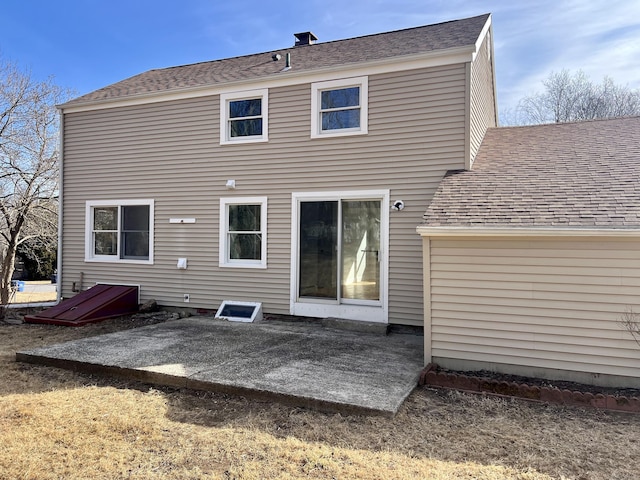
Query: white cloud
{"type": "Point", "coordinates": [599, 37]}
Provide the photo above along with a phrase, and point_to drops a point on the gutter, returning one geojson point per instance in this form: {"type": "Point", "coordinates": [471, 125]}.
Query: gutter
{"type": "Point", "coordinates": [427, 231]}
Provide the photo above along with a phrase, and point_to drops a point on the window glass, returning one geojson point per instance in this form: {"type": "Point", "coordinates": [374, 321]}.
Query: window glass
{"type": "Point", "coordinates": [318, 252]}
{"type": "Point", "coordinates": [105, 218]}
{"type": "Point", "coordinates": [135, 232]}
{"type": "Point", "coordinates": [106, 243]}
{"type": "Point", "coordinates": [245, 108]}
{"type": "Point", "coordinates": [244, 218]}
{"type": "Point", "coordinates": [243, 231]}
{"type": "Point", "coordinates": [339, 107]}
{"type": "Point", "coordinates": [245, 246]}
{"type": "Point", "coordinates": [105, 227]}
{"type": "Point", "coordinates": [244, 116]}
{"type": "Point", "coordinates": [340, 119]}
{"type": "Point", "coordinates": [245, 128]}
{"type": "Point", "coordinates": [343, 97]}
{"type": "Point", "coordinates": [240, 110]}
{"type": "Point", "coordinates": [119, 232]}
{"type": "Point", "coordinates": [135, 217]}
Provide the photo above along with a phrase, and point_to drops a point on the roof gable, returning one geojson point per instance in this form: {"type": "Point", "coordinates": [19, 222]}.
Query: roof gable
{"type": "Point", "coordinates": [305, 58]}
{"type": "Point", "coordinates": [577, 175]}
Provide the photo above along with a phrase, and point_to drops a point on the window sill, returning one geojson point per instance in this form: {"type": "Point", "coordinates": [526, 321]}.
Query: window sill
{"type": "Point", "coordinates": [118, 260]}
{"type": "Point", "coordinates": [259, 266]}
{"type": "Point", "coordinates": [339, 133]}
{"type": "Point", "coordinates": [244, 141]}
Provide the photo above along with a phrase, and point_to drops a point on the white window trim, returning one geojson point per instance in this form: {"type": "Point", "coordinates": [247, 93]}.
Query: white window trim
{"type": "Point", "coordinates": [376, 311]}
{"type": "Point", "coordinates": [89, 255]}
{"type": "Point", "coordinates": [224, 260]}
{"type": "Point", "coordinates": [225, 98]}
{"type": "Point", "coordinates": [318, 87]}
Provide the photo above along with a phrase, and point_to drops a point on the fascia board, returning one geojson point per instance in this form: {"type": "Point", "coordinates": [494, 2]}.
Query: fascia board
{"type": "Point", "coordinates": [458, 55]}
{"type": "Point", "coordinates": [526, 232]}
{"type": "Point", "coordinates": [485, 30]}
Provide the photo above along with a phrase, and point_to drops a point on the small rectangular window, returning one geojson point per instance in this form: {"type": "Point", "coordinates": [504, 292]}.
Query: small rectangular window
{"type": "Point", "coordinates": [243, 232]}
{"type": "Point", "coordinates": [339, 107]}
{"type": "Point", "coordinates": [243, 117]}
{"type": "Point", "coordinates": [119, 231]}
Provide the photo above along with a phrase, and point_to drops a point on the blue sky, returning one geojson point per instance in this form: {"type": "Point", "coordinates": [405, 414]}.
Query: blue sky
{"type": "Point", "coordinates": [88, 44]}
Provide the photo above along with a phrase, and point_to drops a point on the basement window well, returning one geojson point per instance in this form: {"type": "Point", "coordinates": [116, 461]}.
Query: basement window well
{"type": "Point", "coordinates": [240, 311]}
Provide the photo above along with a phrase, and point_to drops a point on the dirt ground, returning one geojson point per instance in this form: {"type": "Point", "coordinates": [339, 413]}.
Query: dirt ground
{"type": "Point", "coordinates": [62, 424]}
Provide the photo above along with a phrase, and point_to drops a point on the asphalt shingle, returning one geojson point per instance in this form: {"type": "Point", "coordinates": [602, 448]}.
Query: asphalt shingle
{"type": "Point", "coordinates": [400, 43]}
{"type": "Point", "coordinates": [578, 175]}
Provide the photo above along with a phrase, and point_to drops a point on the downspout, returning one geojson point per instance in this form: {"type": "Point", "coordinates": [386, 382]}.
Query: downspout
{"type": "Point", "coordinates": [426, 279]}
{"type": "Point", "coordinates": [60, 209]}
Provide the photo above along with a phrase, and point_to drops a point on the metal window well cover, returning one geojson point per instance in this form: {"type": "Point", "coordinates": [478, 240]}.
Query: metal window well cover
{"type": "Point", "coordinates": [97, 303]}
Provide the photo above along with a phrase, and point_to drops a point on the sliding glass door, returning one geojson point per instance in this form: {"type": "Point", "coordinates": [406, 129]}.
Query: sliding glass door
{"type": "Point", "coordinates": [339, 250]}
{"type": "Point", "coordinates": [360, 248]}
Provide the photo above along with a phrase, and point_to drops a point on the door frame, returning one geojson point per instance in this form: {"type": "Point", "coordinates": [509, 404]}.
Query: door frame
{"type": "Point", "coordinates": [378, 313]}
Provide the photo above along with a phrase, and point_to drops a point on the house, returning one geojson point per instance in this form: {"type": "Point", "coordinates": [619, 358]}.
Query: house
{"type": "Point", "coordinates": [532, 257]}
{"type": "Point", "coordinates": [294, 177]}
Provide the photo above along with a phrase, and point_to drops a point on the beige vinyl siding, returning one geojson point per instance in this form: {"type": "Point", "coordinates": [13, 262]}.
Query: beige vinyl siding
{"type": "Point", "coordinates": [534, 303]}
{"type": "Point", "coordinates": [482, 98]}
{"type": "Point", "coordinates": [170, 152]}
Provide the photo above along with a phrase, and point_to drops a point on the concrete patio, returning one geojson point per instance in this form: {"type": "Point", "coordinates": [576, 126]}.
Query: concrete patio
{"type": "Point", "coordinates": [301, 363]}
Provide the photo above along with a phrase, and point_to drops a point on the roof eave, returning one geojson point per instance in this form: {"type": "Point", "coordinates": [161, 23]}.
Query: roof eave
{"type": "Point", "coordinates": [436, 58]}
{"type": "Point", "coordinates": [480, 231]}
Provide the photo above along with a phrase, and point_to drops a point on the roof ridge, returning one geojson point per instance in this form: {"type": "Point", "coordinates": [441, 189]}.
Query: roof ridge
{"type": "Point", "coordinates": [368, 35]}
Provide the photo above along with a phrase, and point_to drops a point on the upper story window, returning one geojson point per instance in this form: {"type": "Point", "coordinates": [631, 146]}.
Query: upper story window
{"type": "Point", "coordinates": [119, 231]}
{"type": "Point", "coordinates": [243, 116]}
{"type": "Point", "coordinates": [243, 232]}
{"type": "Point", "coordinates": [339, 107]}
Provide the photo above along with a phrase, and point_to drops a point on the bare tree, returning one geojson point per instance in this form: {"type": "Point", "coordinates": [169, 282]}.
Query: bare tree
{"type": "Point", "coordinates": [573, 97]}
{"type": "Point", "coordinates": [28, 164]}
{"type": "Point", "coordinates": [630, 321]}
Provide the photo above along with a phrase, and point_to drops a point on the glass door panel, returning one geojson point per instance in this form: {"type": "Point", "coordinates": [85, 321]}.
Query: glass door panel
{"type": "Point", "coordinates": [318, 250]}
{"type": "Point", "coordinates": [360, 249]}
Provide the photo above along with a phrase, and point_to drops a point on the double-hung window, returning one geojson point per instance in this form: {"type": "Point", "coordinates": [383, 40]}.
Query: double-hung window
{"type": "Point", "coordinates": [339, 107]}
{"type": "Point", "coordinates": [119, 231]}
{"type": "Point", "coordinates": [243, 232]}
{"type": "Point", "coordinates": [244, 117]}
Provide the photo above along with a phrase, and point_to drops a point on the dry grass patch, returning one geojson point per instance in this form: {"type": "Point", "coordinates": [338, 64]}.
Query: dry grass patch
{"type": "Point", "coordinates": [104, 432]}
{"type": "Point", "coordinates": [60, 424]}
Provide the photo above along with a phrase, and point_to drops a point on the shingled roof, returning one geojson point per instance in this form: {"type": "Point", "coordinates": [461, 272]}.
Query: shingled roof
{"type": "Point", "coordinates": [574, 175]}
{"type": "Point", "coordinates": [304, 58]}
